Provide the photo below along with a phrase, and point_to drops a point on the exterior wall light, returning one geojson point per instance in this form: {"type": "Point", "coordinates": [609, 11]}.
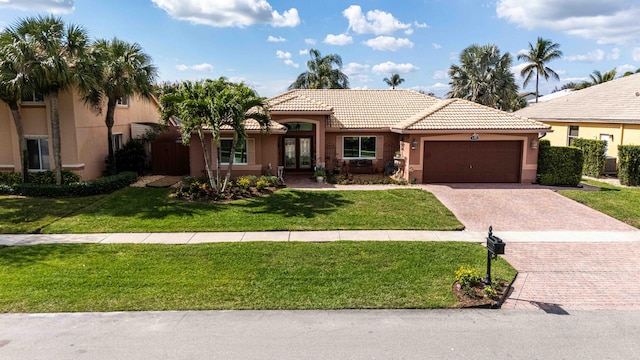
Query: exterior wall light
{"type": "Point", "coordinates": [534, 143]}
{"type": "Point", "coordinates": [414, 144]}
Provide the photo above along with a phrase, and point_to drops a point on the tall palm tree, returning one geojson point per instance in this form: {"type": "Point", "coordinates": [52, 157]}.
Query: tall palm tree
{"type": "Point", "coordinates": [14, 55]}
{"type": "Point", "coordinates": [598, 78]}
{"type": "Point", "coordinates": [124, 70]}
{"type": "Point", "coordinates": [236, 105]}
{"type": "Point", "coordinates": [394, 80]}
{"type": "Point", "coordinates": [58, 48]}
{"type": "Point", "coordinates": [484, 76]}
{"type": "Point", "coordinates": [538, 56]}
{"type": "Point", "coordinates": [321, 73]}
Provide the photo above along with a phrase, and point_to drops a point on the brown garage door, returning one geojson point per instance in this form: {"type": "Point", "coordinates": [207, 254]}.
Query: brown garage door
{"type": "Point", "coordinates": [472, 161]}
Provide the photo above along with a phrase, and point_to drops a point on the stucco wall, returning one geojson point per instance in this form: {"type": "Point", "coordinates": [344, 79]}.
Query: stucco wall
{"type": "Point", "coordinates": [622, 134]}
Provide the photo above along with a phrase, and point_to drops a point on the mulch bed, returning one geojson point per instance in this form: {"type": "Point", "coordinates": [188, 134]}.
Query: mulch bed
{"type": "Point", "coordinates": [478, 299]}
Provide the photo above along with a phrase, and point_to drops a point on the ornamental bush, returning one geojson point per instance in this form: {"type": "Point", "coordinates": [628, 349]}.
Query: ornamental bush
{"type": "Point", "coordinates": [629, 167]}
{"type": "Point", "coordinates": [10, 178]}
{"type": "Point", "coordinates": [94, 187]}
{"type": "Point", "coordinates": [595, 157]}
{"type": "Point", "coordinates": [560, 165]}
{"type": "Point", "coordinates": [132, 157]}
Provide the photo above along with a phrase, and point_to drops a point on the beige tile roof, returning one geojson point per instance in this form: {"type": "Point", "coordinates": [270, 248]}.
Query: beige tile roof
{"type": "Point", "coordinates": [355, 109]}
{"type": "Point", "coordinates": [459, 114]}
{"type": "Point", "coordinates": [252, 125]}
{"type": "Point", "coordinates": [614, 101]}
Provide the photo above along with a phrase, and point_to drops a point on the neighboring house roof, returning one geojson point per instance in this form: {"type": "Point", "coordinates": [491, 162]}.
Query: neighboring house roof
{"type": "Point", "coordinates": [460, 114]}
{"type": "Point", "coordinates": [615, 101]}
{"type": "Point", "coordinates": [354, 109]}
{"type": "Point", "coordinates": [252, 125]}
{"type": "Point", "coordinates": [400, 110]}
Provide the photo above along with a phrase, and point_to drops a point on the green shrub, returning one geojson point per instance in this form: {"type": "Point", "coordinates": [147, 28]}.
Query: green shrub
{"type": "Point", "coordinates": [10, 178]}
{"type": "Point", "coordinates": [594, 152]}
{"type": "Point", "coordinates": [261, 185]}
{"type": "Point", "coordinates": [132, 157]}
{"type": "Point", "coordinates": [543, 156]}
{"type": "Point", "coordinates": [467, 277]}
{"type": "Point", "coordinates": [49, 177]}
{"type": "Point", "coordinates": [94, 187]}
{"type": "Point", "coordinates": [560, 165]}
{"type": "Point", "coordinates": [270, 180]}
{"type": "Point", "coordinates": [490, 292]}
{"type": "Point", "coordinates": [243, 182]}
{"type": "Point", "coordinates": [629, 167]}
{"type": "Point", "coordinates": [6, 189]}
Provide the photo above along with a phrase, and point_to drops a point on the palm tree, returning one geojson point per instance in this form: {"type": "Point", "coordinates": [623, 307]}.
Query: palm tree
{"type": "Point", "coordinates": [484, 76]}
{"type": "Point", "coordinates": [236, 105]}
{"type": "Point", "coordinates": [321, 73]}
{"type": "Point", "coordinates": [599, 78]}
{"type": "Point", "coordinates": [124, 70]}
{"type": "Point", "coordinates": [58, 48]}
{"type": "Point", "coordinates": [627, 73]}
{"type": "Point", "coordinates": [13, 83]}
{"type": "Point", "coordinates": [538, 57]}
{"type": "Point", "coordinates": [394, 81]}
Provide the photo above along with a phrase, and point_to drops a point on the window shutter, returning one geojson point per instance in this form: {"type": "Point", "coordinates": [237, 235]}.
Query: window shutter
{"type": "Point", "coordinates": [339, 145]}
{"type": "Point", "coordinates": [251, 151]}
{"type": "Point", "coordinates": [379, 147]}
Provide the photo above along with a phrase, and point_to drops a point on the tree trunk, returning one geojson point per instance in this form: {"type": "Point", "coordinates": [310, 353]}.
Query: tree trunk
{"type": "Point", "coordinates": [207, 159]}
{"type": "Point", "coordinates": [537, 78]}
{"type": "Point", "coordinates": [24, 151]}
{"type": "Point", "coordinates": [109, 120]}
{"type": "Point", "coordinates": [231, 158]}
{"type": "Point", "coordinates": [55, 137]}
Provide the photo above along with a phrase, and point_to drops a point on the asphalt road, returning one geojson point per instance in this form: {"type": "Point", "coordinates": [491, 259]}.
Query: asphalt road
{"type": "Point", "coordinates": [362, 334]}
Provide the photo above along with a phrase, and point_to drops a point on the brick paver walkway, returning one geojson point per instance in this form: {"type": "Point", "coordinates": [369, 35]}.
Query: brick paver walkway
{"type": "Point", "coordinates": [575, 276]}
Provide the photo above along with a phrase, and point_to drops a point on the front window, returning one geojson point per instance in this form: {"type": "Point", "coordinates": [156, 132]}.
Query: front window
{"type": "Point", "coordinates": [33, 97]}
{"type": "Point", "coordinates": [38, 150]}
{"type": "Point", "coordinates": [573, 133]}
{"type": "Point", "coordinates": [240, 156]}
{"type": "Point", "coordinates": [123, 101]}
{"type": "Point", "coordinates": [359, 147]}
{"type": "Point", "coordinates": [116, 140]}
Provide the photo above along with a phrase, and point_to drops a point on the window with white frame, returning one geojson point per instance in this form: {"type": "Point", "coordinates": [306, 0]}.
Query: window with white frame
{"type": "Point", "coordinates": [38, 152]}
{"type": "Point", "coordinates": [573, 133]}
{"type": "Point", "coordinates": [240, 153]}
{"type": "Point", "coordinates": [123, 101]}
{"type": "Point", "coordinates": [359, 147]}
{"type": "Point", "coordinates": [33, 97]}
{"type": "Point", "coordinates": [116, 140]}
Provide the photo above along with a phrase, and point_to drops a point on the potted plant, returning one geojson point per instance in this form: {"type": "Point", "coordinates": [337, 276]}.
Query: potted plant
{"type": "Point", "coordinates": [397, 155]}
{"type": "Point", "coordinates": [320, 174]}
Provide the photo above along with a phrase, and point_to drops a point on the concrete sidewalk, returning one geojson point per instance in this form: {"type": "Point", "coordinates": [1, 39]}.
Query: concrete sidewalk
{"type": "Point", "coordinates": [323, 236]}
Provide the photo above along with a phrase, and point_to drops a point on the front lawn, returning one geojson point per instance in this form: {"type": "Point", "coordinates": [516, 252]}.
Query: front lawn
{"type": "Point", "coordinates": [153, 210]}
{"type": "Point", "coordinates": [259, 275]}
{"type": "Point", "coordinates": [617, 202]}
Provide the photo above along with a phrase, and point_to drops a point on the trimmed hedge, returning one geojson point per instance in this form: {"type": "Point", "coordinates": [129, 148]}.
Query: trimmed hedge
{"type": "Point", "coordinates": [560, 165]}
{"type": "Point", "coordinates": [132, 157]}
{"type": "Point", "coordinates": [10, 178]}
{"type": "Point", "coordinates": [595, 157]}
{"type": "Point", "coordinates": [629, 167]}
{"type": "Point", "coordinates": [94, 187]}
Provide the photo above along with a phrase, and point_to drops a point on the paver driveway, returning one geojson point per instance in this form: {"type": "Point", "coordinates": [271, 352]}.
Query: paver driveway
{"type": "Point", "coordinates": [520, 207]}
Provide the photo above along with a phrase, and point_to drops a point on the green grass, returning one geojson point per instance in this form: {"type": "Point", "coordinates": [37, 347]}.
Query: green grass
{"type": "Point", "coordinates": [259, 275]}
{"type": "Point", "coordinates": [25, 215]}
{"type": "Point", "coordinates": [617, 202]}
{"type": "Point", "coordinates": [153, 210]}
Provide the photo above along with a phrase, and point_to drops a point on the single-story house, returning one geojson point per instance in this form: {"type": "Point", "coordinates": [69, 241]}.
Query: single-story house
{"type": "Point", "coordinates": [83, 133]}
{"type": "Point", "coordinates": [609, 111]}
{"type": "Point", "coordinates": [432, 140]}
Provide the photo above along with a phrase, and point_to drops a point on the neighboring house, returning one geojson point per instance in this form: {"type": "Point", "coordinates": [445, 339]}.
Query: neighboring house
{"type": "Point", "coordinates": [83, 133]}
{"type": "Point", "coordinates": [361, 130]}
{"type": "Point", "coordinates": [609, 111]}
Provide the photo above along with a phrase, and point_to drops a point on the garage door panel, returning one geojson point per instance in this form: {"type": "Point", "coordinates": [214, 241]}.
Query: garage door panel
{"type": "Point", "coordinates": [466, 161]}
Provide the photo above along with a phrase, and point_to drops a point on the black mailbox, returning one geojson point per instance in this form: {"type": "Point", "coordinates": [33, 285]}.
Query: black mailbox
{"type": "Point", "coordinates": [494, 243]}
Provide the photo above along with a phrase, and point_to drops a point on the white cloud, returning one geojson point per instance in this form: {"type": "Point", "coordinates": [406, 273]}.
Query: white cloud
{"type": "Point", "coordinates": [391, 67]}
{"type": "Point", "coordinates": [408, 31]}
{"type": "Point", "coordinates": [283, 54]}
{"type": "Point", "coordinates": [357, 72]}
{"type": "Point", "coordinates": [593, 56]}
{"type": "Point", "coordinates": [52, 6]}
{"type": "Point", "coordinates": [420, 25]}
{"type": "Point", "coordinates": [436, 46]}
{"type": "Point", "coordinates": [340, 40]}
{"type": "Point", "coordinates": [517, 69]}
{"type": "Point", "coordinates": [615, 54]}
{"type": "Point", "coordinates": [276, 39]}
{"type": "Point", "coordinates": [290, 62]}
{"type": "Point", "coordinates": [636, 54]}
{"type": "Point", "coordinates": [611, 21]}
{"type": "Point", "coordinates": [440, 75]}
{"type": "Point", "coordinates": [228, 13]}
{"type": "Point", "coordinates": [620, 70]}
{"type": "Point", "coordinates": [375, 22]}
{"type": "Point", "coordinates": [310, 41]}
{"type": "Point", "coordinates": [204, 67]}
{"type": "Point", "coordinates": [303, 52]}
{"type": "Point", "coordinates": [388, 43]}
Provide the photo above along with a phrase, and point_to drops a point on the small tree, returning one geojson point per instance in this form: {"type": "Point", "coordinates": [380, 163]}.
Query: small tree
{"type": "Point", "coordinates": [394, 80]}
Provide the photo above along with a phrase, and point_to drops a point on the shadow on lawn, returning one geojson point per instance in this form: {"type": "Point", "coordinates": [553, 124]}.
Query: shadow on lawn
{"type": "Point", "coordinates": [22, 256]}
{"type": "Point", "coordinates": [307, 204]}
{"type": "Point", "coordinates": [25, 215]}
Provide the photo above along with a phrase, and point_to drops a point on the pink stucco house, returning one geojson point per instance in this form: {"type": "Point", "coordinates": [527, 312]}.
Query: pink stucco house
{"type": "Point", "coordinates": [434, 140]}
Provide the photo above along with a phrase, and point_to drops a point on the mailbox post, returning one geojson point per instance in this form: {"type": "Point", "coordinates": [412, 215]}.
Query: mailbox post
{"type": "Point", "coordinates": [495, 247]}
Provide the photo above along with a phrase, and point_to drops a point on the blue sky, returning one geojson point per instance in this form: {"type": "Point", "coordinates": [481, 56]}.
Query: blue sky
{"type": "Point", "coordinates": [265, 42]}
